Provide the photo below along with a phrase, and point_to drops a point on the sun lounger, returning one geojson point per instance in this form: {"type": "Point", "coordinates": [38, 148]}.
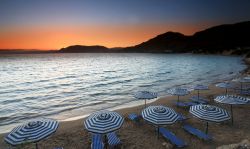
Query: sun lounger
{"type": "Point", "coordinates": [97, 142]}
{"type": "Point", "coordinates": [58, 148]}
{"type": "Point", "coordinates": [197, 132]}
{"type": "Point", "coordinates": [184, 104]}
{"type": "Point", "coordinates": [182, 117]}
{"type": "Point", "coordinates": [172, 138]}
{"type": "Point", "coordinates": [134, 117]}
{"type": "Point", "coordinates": [199, 100]}
{"type": "Point", "coordinates": [113, 140]}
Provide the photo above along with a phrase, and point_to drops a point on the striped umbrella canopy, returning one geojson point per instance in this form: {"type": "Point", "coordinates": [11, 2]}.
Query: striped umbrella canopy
{"type": "Point", "coordinates": [245, 80]}
{"type": "Point", "coordinates": [232, 100]}
{"type": "Point", "coordinates": [178, 92]}
{"type": "Point", "coordinates": [32, 131]}
{"type": "Point", "coordinates": [144, 95]}
{"type": "Point", "coordinates": [225, 85]}
{"type": "Point", "coordinates": [209, 113]}
{"type": "Point", "coordinates": [159, 115]}
{"type": "Point", "coordinates": [198, 88]}
{"type": "Point", "coordinates": [103, 122]}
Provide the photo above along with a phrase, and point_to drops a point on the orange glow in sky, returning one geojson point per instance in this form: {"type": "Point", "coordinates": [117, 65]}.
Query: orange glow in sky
{"type": "Point", "coordinates": [54, 24]}
{"type": "Point", "coordinates": [109, 36]}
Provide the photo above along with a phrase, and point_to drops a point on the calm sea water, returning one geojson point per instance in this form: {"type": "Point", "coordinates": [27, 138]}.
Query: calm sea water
{"type": "Point", "coordinates": [63, 86]}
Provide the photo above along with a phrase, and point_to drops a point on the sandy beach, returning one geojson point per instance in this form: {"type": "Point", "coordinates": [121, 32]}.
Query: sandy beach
{"type": "Point", "coordinates": [72, 135]}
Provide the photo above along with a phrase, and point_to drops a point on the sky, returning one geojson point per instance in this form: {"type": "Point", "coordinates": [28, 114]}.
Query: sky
{"type": "Point", "coordinates": [54, 24]}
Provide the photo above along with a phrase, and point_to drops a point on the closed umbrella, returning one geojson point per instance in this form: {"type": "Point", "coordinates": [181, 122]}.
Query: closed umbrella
{"type": "Point", "coordinates": [144, 95]}
{"type": "Point", "coordinates": [103, 122]}
{"type": "Point", "coordinates": [178, 92]}
{"type": "Point", "coordinates": [32, 131]}
{"type": "Point", "coordinates": [209, 113]}
{"type": "Point", "coordinates": [225, 85]}
{"type": "Point", "coordinates": [232, 100]}
{"type": "Point", "coordinates": [159, 115]}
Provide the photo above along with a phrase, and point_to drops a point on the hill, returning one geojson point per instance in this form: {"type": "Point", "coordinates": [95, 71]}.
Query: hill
{"type": "Point", "coordinates": [218, 39]}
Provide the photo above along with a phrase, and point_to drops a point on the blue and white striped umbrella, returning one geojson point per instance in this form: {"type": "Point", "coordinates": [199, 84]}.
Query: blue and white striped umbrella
{"type": "Point", "coordinates": [209, 113]}
{"type": "Point", "coordinates": [103, 122]}
{"type": "Point", "coordinates": [245, 80]}
{"type": "Point", "coordinates": [144, 95]}
{"type": "Point", "coordinates": [242, 81]}
{"type": "Point", "coordinates": [232, 100]}
{"type": "Point", "coordinates": [33, 131]}
{"type": "Point", "coordinates": [178, 92]}
{"type": "Point", "coordinates": [160, 115]}
{"type": "Point", "coordinates": [225, 85]}
{"type": "Point", "coordinates": [200, 87]}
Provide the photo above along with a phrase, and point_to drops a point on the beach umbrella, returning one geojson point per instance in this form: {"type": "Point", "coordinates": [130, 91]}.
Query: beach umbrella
{"type": "Point", "coordinates": [200, 87]}
{"type": "Point", "coordinates": [144, 95]}
{"type": "Point", "coordinates": [243, 80]}
{"type": "Point", "coordinates": [103, 122]}
{"type": "Point", "coordinates": [159, 115]}
{"type": "Point", "coordinates": [209, 113]}
{"type": "Point", "coordinates": [32, 131]}
{"type": "Point", "coordinates": [178, 92]}
{"type": "Point", "coordinates": [225, 85]}
{"type": "Point", "coordinates": [232, 100]}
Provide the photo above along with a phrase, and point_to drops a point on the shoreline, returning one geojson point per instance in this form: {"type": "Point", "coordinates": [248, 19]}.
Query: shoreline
{"type": "Point", "coordinates": [68, 128]}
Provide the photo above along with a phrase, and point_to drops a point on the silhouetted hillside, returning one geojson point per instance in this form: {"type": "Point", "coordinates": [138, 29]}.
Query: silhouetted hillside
{"type": "Point", "coordinates": [167, 42]}
{"type": "Point", "coordinates": [223, 37]}
{"type": "Point", "coordinates": [218, 39]}
{"type": "Point", "coordinates": [84, 49]}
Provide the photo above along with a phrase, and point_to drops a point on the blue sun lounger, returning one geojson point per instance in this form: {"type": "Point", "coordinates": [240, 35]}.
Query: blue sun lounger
{"type": "Point", "coordinates": [134, 117]}
{"type": "Point", "coordinates": [97, 142]}
{"type": "Point", "coordinates": [185, 104]}
{"type": "Point", "coordinates": [182, 118]}
{"type": "Point", "coordinates": [199, 100]}
{"type": "Point", "coordinates": [172, 137]}
{"type": "Point", "coordinates": [113, 140]}
{"type": "Point", "coordinates": [197, 132]}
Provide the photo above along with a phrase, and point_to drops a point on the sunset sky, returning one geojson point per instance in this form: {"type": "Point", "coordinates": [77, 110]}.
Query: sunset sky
{"type": "Point", "coordinates": [54, 24]}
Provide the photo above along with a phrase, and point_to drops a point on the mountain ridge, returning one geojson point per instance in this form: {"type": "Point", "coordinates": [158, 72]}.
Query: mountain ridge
{"type": "Point", "coordinates": [215, 39]}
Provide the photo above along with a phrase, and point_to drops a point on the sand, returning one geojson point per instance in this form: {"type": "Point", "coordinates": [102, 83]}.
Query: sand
{"type": "Point", "coordinates": [72, 135]}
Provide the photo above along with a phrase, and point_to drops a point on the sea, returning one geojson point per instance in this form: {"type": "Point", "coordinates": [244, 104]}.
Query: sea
{"type": "Point", "coordinates": [71, 86]}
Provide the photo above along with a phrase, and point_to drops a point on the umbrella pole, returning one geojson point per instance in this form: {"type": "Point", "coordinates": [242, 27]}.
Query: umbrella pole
{"type": "Point", "coordinates": [178, 102]}
{"type": "Point", "coordinates": [226, 91]}
{"type": "Point", "coordinates": [145, 102]}
{"type": "Point", "coordinates": [36, 145]}
{"type": "Point", "coordinates": [198, 95]}
{"type": "Point", "coordinates": [207, 128]}
{"type": "Point", "coordinates": [105, 141]}
{"type": "Point", "coordinates": [241, 88]}
{"type": "Point", "coordinates": [158, 132]}
{"type": "Point", "coordinates": [232, 119]}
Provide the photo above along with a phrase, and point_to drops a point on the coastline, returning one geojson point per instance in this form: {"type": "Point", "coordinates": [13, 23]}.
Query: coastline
{"type": "Point", "coordinates": [71, 134]}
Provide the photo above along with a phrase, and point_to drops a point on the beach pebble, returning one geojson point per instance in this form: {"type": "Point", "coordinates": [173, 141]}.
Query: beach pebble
{"type": "Point", "coordinates": [245, 144]}
{"type": "Point", "coordinates": [167, 145]}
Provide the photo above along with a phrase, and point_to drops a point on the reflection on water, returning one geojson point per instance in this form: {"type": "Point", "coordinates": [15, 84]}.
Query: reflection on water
{"type": "Point", "coordinates": [68, 85]}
